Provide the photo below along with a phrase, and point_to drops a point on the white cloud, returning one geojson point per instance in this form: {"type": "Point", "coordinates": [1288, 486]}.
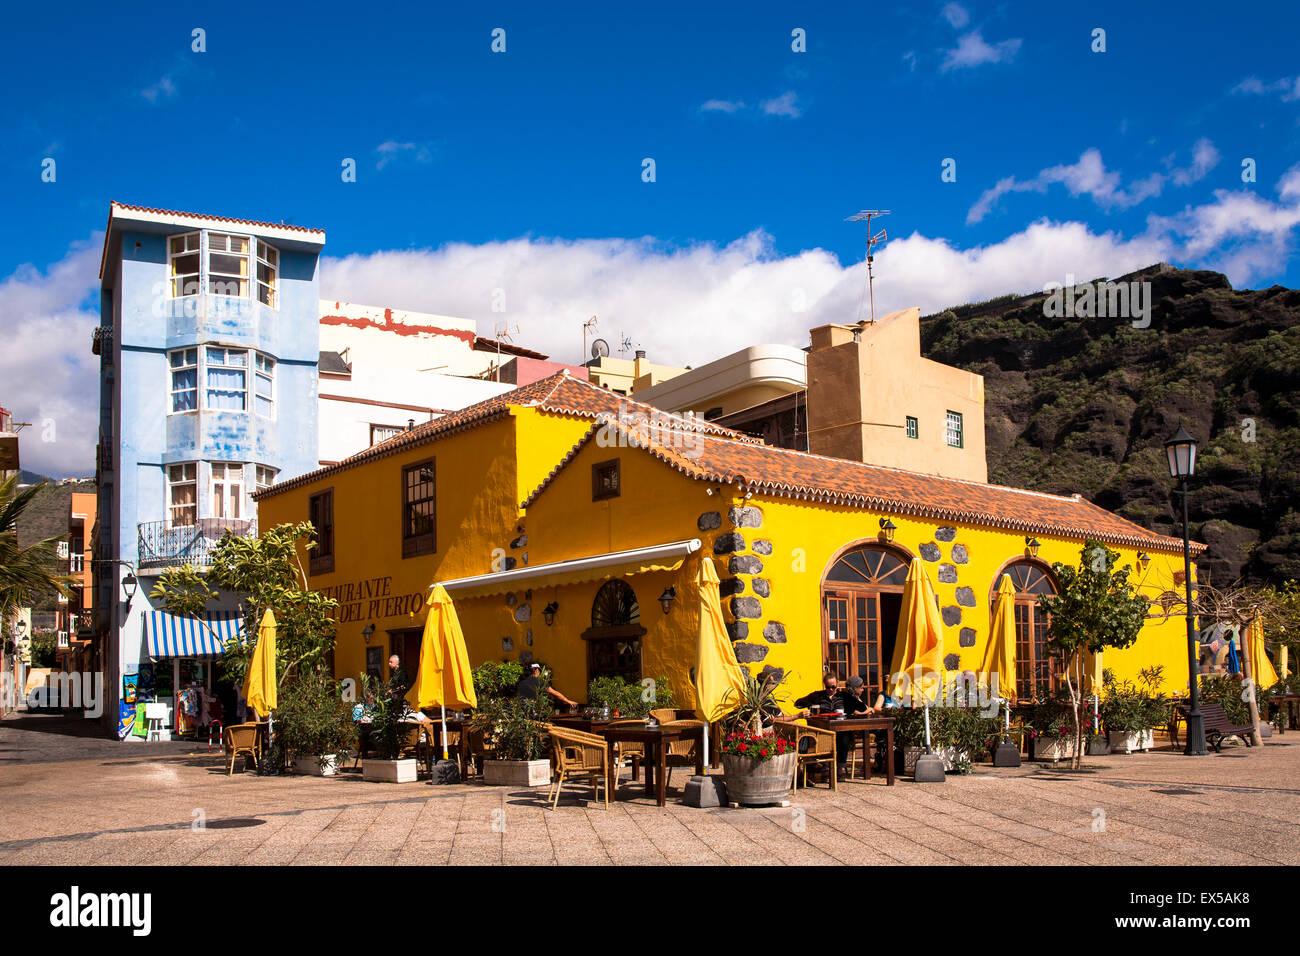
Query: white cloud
{"type": "Point", "coordinates": [721, 106]}
{"type": "Point", "coordinates": [784, 105]}
{"type": "Point", "coordinates": [1089, 177]}
{"type": "Point", "coordinates": [47, 375]}
{"type": "Point", "coordinates": [164, 89]}
{"type": "Point", "coordinates": [972, 50]}
{"type": "Point", "coordinates": [392, 150]}
{"type": "Point", "coordinates": [1289, 87]}
{"type": "Point", "coordinates": [956, 15]}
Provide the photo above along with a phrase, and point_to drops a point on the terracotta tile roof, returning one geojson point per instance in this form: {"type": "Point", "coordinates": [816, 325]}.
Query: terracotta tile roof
{"type": "Point", "coordinates": [561, 394]}
{"type": "Point", "coordinates": [203, 215]}
{"type": "Point", "coordinates": [783, 473]}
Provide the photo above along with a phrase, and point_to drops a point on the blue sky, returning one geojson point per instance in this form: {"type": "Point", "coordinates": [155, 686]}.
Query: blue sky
{"type": "Point", "coordinates": [527, 165]}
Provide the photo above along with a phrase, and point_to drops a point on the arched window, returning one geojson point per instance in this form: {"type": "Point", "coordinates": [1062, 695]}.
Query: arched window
{"type": "Point", "coordinates": [614, 638]}
{"type": "Point", "coordinates": [862, 596]}
{"type": "Point", "coordinates": [1036, 671]}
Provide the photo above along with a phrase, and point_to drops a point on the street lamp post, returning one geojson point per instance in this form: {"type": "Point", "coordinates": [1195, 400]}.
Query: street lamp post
{"type": "Point", "coordinates": [1181, 451]}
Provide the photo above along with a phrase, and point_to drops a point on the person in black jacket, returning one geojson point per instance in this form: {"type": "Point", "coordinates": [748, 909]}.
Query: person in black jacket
{"type": "Point", "coordinates": [398, 682]}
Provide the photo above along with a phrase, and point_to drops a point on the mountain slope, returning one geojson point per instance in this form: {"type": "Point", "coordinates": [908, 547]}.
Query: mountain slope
{"type": "Point", "coordinates": [1085, 405]}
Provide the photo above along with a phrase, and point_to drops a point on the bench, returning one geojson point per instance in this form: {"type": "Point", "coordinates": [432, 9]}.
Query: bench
{"type": "Point", "coordinates": [1218, 728]}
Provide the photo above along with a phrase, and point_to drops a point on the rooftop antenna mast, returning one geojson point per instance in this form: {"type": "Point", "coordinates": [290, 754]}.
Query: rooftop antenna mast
{"type": "Point", "coordinates": [868, 214]}
{"type": "Point", "coordinates": [501, 332]}
{"type": "Point", "coordinates": [625, 345]}
{"type": "Point", "coordinates": [589, 324]}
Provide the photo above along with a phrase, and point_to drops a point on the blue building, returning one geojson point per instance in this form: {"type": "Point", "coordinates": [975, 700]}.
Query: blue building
{"type": "Point", "coordinates": [208, 345]}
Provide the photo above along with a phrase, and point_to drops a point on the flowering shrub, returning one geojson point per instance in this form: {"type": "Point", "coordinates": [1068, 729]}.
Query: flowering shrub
{"type": "Point", "coordinates": [758, 747]}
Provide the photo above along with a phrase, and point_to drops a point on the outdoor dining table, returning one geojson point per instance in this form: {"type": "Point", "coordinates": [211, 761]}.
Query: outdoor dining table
{"type": "Point", "coordinates": [1288, 712]}
{"type": "Point", "coordinates": [656, 740]}
{"type": "Point", "coordinates": [862, 726]}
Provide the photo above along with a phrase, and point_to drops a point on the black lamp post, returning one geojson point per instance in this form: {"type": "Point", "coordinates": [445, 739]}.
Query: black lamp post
{"type": "Point", "coordinates": [129, 585]}
{"type": "Point", "coordinates": [1181, 450]}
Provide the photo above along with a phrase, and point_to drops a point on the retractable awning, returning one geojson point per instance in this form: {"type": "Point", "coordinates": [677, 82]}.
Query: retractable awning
{"type": "Point", "coordinates": [175, 635]}
{"type": "Point", "coordinates": [659, 557]}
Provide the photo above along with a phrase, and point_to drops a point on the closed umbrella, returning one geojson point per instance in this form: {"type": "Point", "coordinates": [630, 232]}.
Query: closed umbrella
{"type": "Point", "coordinates": [260, 688]}
{"type": "Point", "coordinates": [919, 645]}
{"type": "Point", "coordinates": [1000, 654]}
{"type": "Point", "coordinates": [719, 678]}
{"type": "Point", "coordinates": [1284, 661]}
{"type": "Point", "coordinates": [1264, 674]}
{"type": "Point", "coordinates": [445, 676]}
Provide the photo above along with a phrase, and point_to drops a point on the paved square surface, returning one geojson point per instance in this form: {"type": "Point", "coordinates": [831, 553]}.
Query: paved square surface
{"type": "Point", "coordinates": [79, 800]}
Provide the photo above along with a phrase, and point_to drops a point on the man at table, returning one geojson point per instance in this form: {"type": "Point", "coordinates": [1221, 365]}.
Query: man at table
{"type": "Point", "coordinates": [534, 685]}
{"type": "Point", "coordinates": [829, 698]}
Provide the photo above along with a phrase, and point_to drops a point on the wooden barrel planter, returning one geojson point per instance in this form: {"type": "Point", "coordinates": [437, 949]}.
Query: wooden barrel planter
{"type": "Point", "coordinates": [757, 783]}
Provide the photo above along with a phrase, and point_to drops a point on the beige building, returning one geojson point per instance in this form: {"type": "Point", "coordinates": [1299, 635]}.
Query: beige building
{"type": "Point", "coordinates": [629, 376]}
{"type": "Point", "coordinates": [733, 383]}
{"type": "Point", "coordinates": [872, 397]}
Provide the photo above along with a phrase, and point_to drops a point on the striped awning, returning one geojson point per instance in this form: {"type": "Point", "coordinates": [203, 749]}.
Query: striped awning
{"type": "Point", "coordinates": [175, 635]}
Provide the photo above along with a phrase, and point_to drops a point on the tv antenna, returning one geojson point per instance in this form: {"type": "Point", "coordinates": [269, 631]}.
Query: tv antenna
{"type": "Point", "coordinates": [624, 345]}
{"type": "Point", "coordinates": [591, 324]}
{"type": "Point", "coordinates": [501, 333]}
{"type": "Point", "coordinates": [868, 214]}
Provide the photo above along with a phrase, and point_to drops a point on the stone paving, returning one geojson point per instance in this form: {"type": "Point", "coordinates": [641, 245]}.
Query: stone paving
{"type": "Point", "coordinates": [139, 804]}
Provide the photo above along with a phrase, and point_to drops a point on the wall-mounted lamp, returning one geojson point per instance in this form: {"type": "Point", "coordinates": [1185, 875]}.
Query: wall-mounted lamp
{"type": "Point", "coordinates": [548, 612]}
{"type": "Point", "coordinates": [367, 631]}
{"type": "Point", "coordinates": [1143, 560]}
{"type": "Point", "coordinates": [666, 599]}
{"type": "Point", "coordinates": [887, 529]}
{"type": "Point", "coordinates": [1031, 547]}
{"type": "Point", "coordinates": [129, 585]}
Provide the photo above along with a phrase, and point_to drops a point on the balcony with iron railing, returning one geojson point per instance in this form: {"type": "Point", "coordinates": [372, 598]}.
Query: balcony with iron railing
{"type": "Point", "coordinates": [164, 545]}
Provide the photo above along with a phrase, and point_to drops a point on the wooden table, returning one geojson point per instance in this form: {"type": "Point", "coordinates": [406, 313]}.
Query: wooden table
{"type": "Point", "coordinates": [656, 741]}
{"type": "Point", "coordinates": [1288, 712]}
{"type": "Point", "coordinates": [863, 726]}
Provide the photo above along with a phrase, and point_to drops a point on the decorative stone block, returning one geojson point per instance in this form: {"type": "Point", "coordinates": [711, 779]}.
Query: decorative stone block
{"type": "Point", "coordinates": [930, 552]}
{"type": "Point", "coordinates": [519, 542]}
{"type": "Point", "coordinates": [738, 630]}
{"type": "Point", "coordinates": [762, 587]}
{"type": "Point", "coordinates": [745, 564]}
{"type": "Point", "coordinates": [951, 615]}
{"type": "Point", "coordinates": [762, 546]}
{"type": "Point", "coordinates": [523, 613]}
{"type": "Point", "coordinates": [776, 673]}
{"type": "Point", "coordinates": [507, 644]}
{"type": "Point", "coordinates": [728, 587]}
{"type": "Point", "coordinates": [966, 597]}
{"type": "Point", "coordinates": [746, 517]}
{"type": "Point", "coordinates": [951, 662]}
{"type": "Point", "coordinates": [746, 607]}
{"type": "Point", "coordinates": [729, 543]}
{"type": "Point", "coordinates": [959, 555]}
{"type": "Point", "coordinates": [749, 653]}
{"type": "Point", "coordinates": [774, 632]}
{"type": "Point", "coordinates": [509, 562]}
{"type": "Point", "coordinates": [947, 574]}
{"type": "Point", "coordinates": [945, 534]}
{"type": "Point", "coordinates": [709, 521]}
{"type": "Point", "coordinates": [966, 637]}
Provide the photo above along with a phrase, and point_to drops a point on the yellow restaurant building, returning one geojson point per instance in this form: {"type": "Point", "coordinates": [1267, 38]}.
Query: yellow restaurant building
{"type": "Point", "coordinates": [567, 524]}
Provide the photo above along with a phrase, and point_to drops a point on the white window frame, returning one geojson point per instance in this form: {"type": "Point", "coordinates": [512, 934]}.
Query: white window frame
{"type": "Point", "coordinates": [209, 365]}
{"type": "Point", "coordinates": [375, 427]}
{"type": "Point", "coordinates": [226, 482]}
{"type": "Point", "coordinates": [264, 371]}
{"type": "Point", "coordinates": [197, 252]}
{"type": "Point", "coordinates": [264, 476]}
{"type": "Point", "coordinates": [173, 483]}
{"type": "Point", "coordinates": [214, 276]}
{"type": "Point", "coordinates": [172, 369]}
{"type": "Point", "coordinates": [272, 264]}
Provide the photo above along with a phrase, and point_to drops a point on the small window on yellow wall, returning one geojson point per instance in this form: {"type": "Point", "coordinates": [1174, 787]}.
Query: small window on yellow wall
{"type": "Point", "coordinates": [605, 480]}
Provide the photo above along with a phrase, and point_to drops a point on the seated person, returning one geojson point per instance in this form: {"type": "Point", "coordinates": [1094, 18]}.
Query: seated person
{"type": "Point", "coordinates": [829, 698]}
{"type": "Point", "coordinates": [534, 685]}
{"type": "Point", "coordinates": [855, 700]}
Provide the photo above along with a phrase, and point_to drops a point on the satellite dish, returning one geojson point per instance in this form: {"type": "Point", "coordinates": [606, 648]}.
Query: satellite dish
{"type": "Point", "coordinates": [599, 348]}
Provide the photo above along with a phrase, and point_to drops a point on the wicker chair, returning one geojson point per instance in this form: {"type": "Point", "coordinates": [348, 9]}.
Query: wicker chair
{"type": "Point", "coordinates": [819, 749]}
{"type": "Point", "coordinates": [476, 748]}
{"type": "Point", "coordinates": [241, 740]}
{"type": "Point", "coordinates": [681, 753]}
{"type": "Point", "coordinates": [576, 754]}
{"type": "Point", "coordinates": [629, 750]}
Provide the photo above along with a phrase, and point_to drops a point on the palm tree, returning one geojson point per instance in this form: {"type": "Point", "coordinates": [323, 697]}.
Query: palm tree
{"type": "Point", "coordinates": [28, 573]}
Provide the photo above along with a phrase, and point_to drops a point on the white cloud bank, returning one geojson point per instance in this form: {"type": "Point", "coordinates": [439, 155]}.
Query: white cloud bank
{"type": "Point", "coordinates": [686, 305]}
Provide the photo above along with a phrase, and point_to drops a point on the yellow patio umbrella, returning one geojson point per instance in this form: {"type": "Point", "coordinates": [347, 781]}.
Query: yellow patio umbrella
{"type": "Point", "coordinates": [719, 678]}
{"type": "Point", "coordinates": [1283, 661]}
{"type": "Point", "coordinates": [1262, 668]}
{"type": "Point", "coordinates": [260, 689]}
{"type": "Point", "coordinates": [919, 645]}
{"type": "Point", "coordinates": [1000, 654]}
{"type": "Point", "coordinates": [445, 676]}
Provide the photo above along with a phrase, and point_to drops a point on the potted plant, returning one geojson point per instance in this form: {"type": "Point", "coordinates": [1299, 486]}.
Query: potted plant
{"type": "Point", "coordinates": [383, 762]}
{"type": "Point", "coordinates": [314, 724]}
{"type": "Point", "coordinates": [757, 766]}
{"type": "Point", "coordinates": [515, 731]}
{"type": "Point", "coordinates": [1049, 729]}
{"type": "Point", "coordinates": [630, 700]}
{"type": "Point", "coordinates": [1131, 712]}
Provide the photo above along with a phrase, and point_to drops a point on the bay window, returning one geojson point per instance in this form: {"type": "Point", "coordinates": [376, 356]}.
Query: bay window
{"type": "Point", "coordinates": [264, 384]}
{"type": "Point", "coordinates": [228, 264]}
{"type": "Point", "coordinates": [227, 379]}
{"type": "Point", "coordinates": [184, 379]}
{"type": "Point", "coordinates": [183, 264]}
{"type": "Point", "coordinates": [182, 494]}
{"type": "Point", "coordinates": [268, 268]}
{"type": "Point", "coordinates": [227, 490]}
